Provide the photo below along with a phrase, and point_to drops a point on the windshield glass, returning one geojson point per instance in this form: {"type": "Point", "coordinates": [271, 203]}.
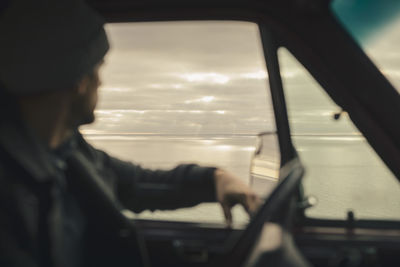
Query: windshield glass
{"type": "Point", "coordinates": [342, 170]}
{"type": "Point", "coordinates": [376, 27]}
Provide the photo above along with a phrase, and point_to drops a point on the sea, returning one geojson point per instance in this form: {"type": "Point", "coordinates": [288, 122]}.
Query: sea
{"type": "Point", "coordinates": [358, 181]}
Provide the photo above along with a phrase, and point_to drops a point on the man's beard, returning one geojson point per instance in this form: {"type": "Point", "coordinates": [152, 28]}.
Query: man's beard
{"type": "Point", "coordinates": [81, 113]}
{"type": "Point", "coordinates": [86, 119]}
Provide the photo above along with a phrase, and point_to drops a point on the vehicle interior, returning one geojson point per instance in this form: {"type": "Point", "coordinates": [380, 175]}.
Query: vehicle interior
{"type": "Point", "coordinates": [290, 228]}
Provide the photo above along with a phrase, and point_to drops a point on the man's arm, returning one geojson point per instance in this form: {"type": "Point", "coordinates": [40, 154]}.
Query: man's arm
{"type": "Point", "coordinates": [186, 185]}
{"type": "Point", "coordinates": [139, 189]}
{"type": "Point", "coordinates": [183, 186]}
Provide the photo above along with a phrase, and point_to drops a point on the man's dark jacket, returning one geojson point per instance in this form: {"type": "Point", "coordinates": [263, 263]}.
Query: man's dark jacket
{"type": "Point", "coordinates": [37, 200]}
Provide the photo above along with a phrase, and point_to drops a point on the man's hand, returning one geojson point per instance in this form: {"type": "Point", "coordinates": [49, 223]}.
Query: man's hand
{"type": "Point", "coordinates": [231, 191]}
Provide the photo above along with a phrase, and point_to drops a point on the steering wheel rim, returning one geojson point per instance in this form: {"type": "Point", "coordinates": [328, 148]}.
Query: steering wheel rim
{"type": "Point", "coordinates": [291, 175]}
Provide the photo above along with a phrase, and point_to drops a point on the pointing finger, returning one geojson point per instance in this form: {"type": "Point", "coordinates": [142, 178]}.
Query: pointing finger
{"type": "Point", "coordinates": [227, 214]}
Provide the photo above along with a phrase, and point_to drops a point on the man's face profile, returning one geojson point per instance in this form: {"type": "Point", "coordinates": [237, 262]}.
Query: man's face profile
{"type": "Point", "coordinates": [84, 99]}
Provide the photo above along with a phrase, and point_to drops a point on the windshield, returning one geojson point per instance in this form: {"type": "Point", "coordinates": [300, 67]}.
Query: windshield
{"type": "Point", "coordinates": [376, 27]}
{"type": "Point", "coordinates": [342, 170]}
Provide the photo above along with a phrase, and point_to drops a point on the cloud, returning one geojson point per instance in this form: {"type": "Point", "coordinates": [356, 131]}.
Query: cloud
{"type": "Point", "coordinates": [184, 78]}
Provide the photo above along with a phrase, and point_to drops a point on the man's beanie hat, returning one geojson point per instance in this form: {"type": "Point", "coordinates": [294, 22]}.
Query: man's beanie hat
{"type": "Point", "coordinates": [48, 45]}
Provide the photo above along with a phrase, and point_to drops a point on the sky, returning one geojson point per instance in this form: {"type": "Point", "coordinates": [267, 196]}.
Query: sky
{"type": "Point", "coordinates": [190, 78]}
{"type": "Point", "coordinates": [207, 78]}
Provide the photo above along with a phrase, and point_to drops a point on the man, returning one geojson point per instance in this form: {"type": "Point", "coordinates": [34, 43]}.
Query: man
{"type": "Point", "coordinates": [50, 56]}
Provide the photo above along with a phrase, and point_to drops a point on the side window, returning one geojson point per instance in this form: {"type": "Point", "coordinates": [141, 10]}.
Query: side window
{"type": "Point", "coordinates": [342, 170]}
{"type": "Point", "coordinates": [180, 92]}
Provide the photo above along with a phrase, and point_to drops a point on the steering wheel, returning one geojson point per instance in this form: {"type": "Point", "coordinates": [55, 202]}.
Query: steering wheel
{"type": "Point", "coordinates": [237, 252]}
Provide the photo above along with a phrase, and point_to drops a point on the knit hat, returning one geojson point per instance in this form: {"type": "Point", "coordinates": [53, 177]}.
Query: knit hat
{"type": "Point", "coordinates": [48, 45]}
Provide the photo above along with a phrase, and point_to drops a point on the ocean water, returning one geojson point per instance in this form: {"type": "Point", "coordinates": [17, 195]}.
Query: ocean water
{"type": "Point", "coordinates": [358, 181]}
